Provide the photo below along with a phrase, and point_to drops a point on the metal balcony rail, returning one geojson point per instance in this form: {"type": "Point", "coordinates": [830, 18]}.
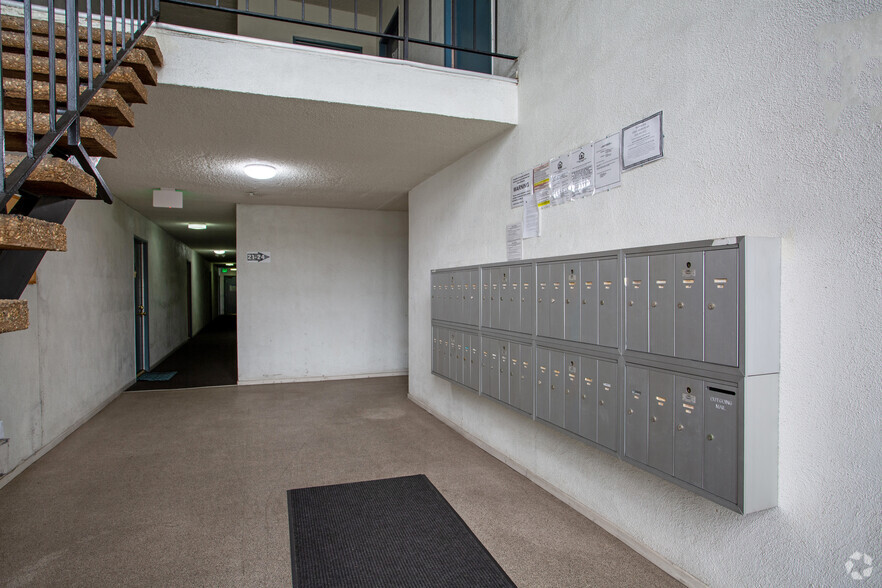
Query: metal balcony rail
{"type": "Point", "coordinates": [457, 41]}
{"type": "Point", "coordinates": [102, 31]}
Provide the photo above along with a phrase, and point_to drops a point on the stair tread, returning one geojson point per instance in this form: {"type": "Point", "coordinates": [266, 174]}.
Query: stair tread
{"type": "Point", "coordinates": [13, 315]}
{"type": "Point", "coordinates": [123, 79]}
{"type": "Point", "coordinates": [136, 59]}
{"type": "Point", "coordinates": [55, 177]}
{"type": "Point", "coordinates": [94, 137]}
{"type": "Point", "coordinates": [23, 233]}
{"type": "Point", "coordinates": [107, 106]}
{"type": "Point", "coordinates": [41, 27]}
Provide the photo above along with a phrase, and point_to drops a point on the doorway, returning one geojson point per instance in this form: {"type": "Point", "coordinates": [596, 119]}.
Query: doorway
{"type": "Point", "coordinates": [189, 299]}
{"type": "Point", "coordinates": [229, 294]}
{"type": "Point", "coordinates": [142, 329]}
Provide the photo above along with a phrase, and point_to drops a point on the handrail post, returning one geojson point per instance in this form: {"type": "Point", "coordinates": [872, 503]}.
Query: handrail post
{"type": "Point", "coordinates": [406, 28]}
{"type": "Point", "coordinates": [73, 86]}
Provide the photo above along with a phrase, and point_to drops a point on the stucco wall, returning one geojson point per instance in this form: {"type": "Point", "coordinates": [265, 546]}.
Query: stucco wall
{"type": "Point", "coordinates": [332, 300]}
{"type": "Point", "coordinates": [773, 126]}
{"type": "Point", "coordinates": [79, 349]}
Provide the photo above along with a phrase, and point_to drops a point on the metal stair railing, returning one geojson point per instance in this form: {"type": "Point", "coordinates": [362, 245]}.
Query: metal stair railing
{"type": "Point", "coordinates": [125, 31]}
{"type": "Point", "coordinates": [126, 23]}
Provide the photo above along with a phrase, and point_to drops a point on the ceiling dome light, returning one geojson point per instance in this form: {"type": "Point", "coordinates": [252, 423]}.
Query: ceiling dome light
{"type": "Point", "coordinates": [260, 171]}
{"type": "Point", "coordinates": [219, 251]}
{"type": "Point", "coordinates": [197, 226]}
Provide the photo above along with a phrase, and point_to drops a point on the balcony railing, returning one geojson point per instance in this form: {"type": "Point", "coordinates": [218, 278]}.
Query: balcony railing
{"type": "Point", "coordinates": [460, 34]}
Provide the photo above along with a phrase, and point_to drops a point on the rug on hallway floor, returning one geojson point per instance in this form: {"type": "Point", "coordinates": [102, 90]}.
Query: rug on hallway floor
{"type": "Point", "coordinates": [392, 532]}
{"type": "Point", "coordinates": [156, 376]}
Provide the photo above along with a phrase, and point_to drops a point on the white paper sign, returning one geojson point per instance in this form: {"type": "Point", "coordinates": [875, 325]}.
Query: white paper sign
{"type": "Point", "coordinates": [582, 171]}
{"type": "Point", "coordinates": [542, 185]}
{"type": "Point", "coordinates": [257, 257]}
{"type": "Point", "coordinates": [642, 141]}
{"type": "Point", "coordinates": [559, 179]}
{"type": "Point", "coordinates": [521, 184]}
{"type": "Point", "coordinates": [608, 163]}
{"type": "Point", "coordinates": [531, 217]}
{"type": "Point", "coordinates": [514, 249]}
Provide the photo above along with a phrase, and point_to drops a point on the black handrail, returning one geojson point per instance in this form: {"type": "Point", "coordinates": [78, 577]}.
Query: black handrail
{"type": "Point", "coordinates": [405, 39]}
{"type": "Point", "coordinates": [66, 120]}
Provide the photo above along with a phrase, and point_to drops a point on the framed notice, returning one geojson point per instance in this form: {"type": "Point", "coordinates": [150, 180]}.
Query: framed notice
{"type": "Point", "coordinates": [642, 142]}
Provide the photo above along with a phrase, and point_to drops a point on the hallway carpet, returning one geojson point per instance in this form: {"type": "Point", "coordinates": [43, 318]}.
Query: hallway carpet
{"type": "Point", "coordinates": [207, 359]}
{"type": "Point", "coordinates": [188, 488]}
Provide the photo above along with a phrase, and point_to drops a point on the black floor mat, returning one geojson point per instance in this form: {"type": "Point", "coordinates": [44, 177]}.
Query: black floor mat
{"type": "Point", "coordinates": [393, 532]}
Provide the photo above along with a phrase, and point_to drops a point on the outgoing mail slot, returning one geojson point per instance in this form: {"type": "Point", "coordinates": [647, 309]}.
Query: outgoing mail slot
{"type": "Point", "coordinates": [721, 306]}
{"type": "Point", "coordinates": [637, 303]}
{"type": "Point", "coordinates": [721, 442]}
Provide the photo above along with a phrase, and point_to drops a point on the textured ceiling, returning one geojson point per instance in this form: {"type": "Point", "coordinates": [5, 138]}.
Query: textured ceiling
{"type": "Point", "coordinates": [330, 155]}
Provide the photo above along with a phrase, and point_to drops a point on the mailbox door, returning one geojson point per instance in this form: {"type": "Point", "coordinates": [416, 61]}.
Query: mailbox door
{"type": "Point", "coordinates": [688, 430]}
{"type": "Point", "coordinates": [661, 421]}
{"type": "Point", "coordinates": [721, 307]}
{"type": "Point", "coordinates": [637, 303]}
{"type": "Point", "coordinates": [661, 304]}
{"type": "Point", "coordinates": [636, 417]}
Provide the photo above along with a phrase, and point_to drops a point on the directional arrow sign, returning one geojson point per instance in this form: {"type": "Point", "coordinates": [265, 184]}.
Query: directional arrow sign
{"type": "Point", "coordinates": [257, 256]}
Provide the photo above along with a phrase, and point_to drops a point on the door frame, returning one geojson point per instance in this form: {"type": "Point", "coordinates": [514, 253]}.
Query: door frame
{"type": "Point", "coordinates": [141, 308]}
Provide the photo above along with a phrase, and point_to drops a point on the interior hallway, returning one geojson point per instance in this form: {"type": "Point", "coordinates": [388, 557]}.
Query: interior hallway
{"type": "Point", "coordinates": [208, 359]}
{"type": "Point", "coordinates": [187, 487]}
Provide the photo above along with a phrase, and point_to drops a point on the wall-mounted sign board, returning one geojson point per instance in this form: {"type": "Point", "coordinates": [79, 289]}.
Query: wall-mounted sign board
{"type": "Point", "coordinates": [642, 142]}
{"type": "Point", "coordinates": [257, 257]}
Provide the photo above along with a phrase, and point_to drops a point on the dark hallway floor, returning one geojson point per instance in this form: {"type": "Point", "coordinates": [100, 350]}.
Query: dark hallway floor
{"type": "Point", "coordinates": [208, 359]}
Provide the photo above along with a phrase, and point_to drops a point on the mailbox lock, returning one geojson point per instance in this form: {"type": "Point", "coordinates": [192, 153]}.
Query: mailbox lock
{"type": "Point", "coordinates": [584, 396]}
{"type": "Point", "coordinates": [630, 411]}
{"type": "Point", "coordinates": [601, 303]}
{"type": "Point", "coordinates": [552, 386]}
{"type": "Point", "coordinates": [711, 306]}
{"type": "Point", "coordinates": [654, 419]}
{"type": "Point", "coordinates": [710, 437]}
{"type": "Point", "coordinates": [654, 304]}
{"type": "Point", "coordinates": [568, 300]}
{"type": "Point", "coordinates": [568, 391]}
{"type": "Point", "coordinates": [583, 301]}
{"type": "Point", "coordinates": [680, 305]}
{"type": "Point", "coordinates": [601, 403]}
{"type": "Point", "coordinates": [540, 300]}
{"type": "Point", "coordinates": [630, 303]}
{"type": "Point", "coordinates": [680, 427]}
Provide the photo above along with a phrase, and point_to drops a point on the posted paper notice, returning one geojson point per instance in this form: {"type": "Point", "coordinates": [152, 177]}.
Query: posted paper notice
{"type": "Point", "coordinates": [582, 171]}
{"type": "Point", "coordinates": [521, 184]}
{"type": "Point", "coordinates": [531, 217]}
{"type": "Point", "coordinates": [514, 244]}
{"type": "Point", "coordinates": [642, 141]}
{"type": "Point", "coordinates": [608, 163]}
{"type": "Point", "coordinates": [542, 185]}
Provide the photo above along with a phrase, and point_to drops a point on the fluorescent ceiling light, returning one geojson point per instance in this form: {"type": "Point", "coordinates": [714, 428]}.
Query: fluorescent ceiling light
{"type": "Point", "coordinates": [197, 226]}
{"type": "Point", "coordinates": [260, 171]}
{"type": "Point", "coordinates": [230, 264]}
{"type": "Point", "coordinates": [232, 269]}
{"type": "Point", "coordinates": [219, 251]}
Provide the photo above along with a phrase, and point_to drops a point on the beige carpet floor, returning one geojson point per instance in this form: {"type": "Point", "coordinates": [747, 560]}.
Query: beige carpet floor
{"type": "Point", "coordinates": [187, 488]}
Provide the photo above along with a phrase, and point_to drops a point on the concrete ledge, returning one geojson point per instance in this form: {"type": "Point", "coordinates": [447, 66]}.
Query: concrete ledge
{"type": "Point", "coordinates": [653, 556]}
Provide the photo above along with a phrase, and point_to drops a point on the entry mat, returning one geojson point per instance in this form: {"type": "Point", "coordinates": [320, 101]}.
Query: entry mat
{"type": "Point", "coordinates": [392, 532]}
{"type": "Point", "coordinates": [156, 376]}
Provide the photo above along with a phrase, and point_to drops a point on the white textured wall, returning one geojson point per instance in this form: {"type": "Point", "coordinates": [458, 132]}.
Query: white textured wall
{"type": "Point", "coordinates": [773, 126]}
{"type": "Point", "coordinates": [332, 301]}
{"type": "Point", "coordinates": [79, 349]}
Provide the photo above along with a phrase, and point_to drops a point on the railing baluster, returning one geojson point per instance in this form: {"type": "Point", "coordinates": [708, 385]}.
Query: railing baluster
{"type": "Point", "coordinates": [103, 32]}
{"type": "Point", "coordinates": [113, 28]}
{"type": "Point", "coordinates": [474, 24]}
{"type": "Point", "coordinates": [329, 13]}
{"type": "Point", "coordinates": [380, 19]}
{"type": "Point", "coordinates": [3, 197]}
{"type": "Point", "coordinates": [430, 20]}
{"type": "Point", "coordinates": [52, 110]}
{"type": "Point", "coordinates": [89, 40]}
{"type": "Point", "coordinates": [275, 7]}
{"type": "Point", "coordinates": [406, 28]}
{"type": "Point", "coordinates": [29, 79]}
{"type": "Point", "coordinates": [73, 86]}
{"type": "Point", "coordinates": [355, 23]}
{"type": "Point", "coordinates": [303, 10]}
{"type": "Point", "coordinates": [122, 23]}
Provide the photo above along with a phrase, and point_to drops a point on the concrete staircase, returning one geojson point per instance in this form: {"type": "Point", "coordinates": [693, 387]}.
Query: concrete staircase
{"type": "Point", "coordinates": [58, 178]}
